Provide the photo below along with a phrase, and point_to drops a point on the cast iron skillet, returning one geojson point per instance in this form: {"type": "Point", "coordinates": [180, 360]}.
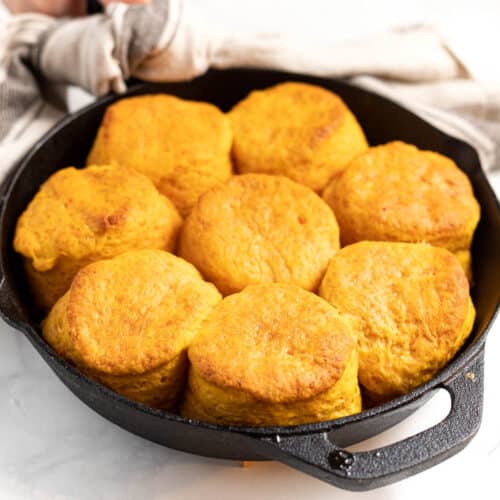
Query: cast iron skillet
{"type": "Point", "coordinates": [313, 448]}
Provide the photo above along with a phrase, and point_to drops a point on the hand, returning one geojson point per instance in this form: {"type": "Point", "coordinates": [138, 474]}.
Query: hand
{"type": "Point", "coordinates": [57, 8]}
{"type": "Point", "coordinates": [106, 2]}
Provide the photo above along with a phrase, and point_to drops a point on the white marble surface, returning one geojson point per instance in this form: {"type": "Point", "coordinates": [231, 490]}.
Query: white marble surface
{"type": "Point", "coordinates": [54, 447]}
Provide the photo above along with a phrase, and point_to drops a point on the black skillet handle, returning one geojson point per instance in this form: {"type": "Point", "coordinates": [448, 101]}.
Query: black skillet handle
{"type": "Point", "coordinates": [318, 456]}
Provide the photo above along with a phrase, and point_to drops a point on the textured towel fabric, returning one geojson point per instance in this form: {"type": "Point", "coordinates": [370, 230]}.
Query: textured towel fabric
{"type": "Point", "coordinates": [169, 40]}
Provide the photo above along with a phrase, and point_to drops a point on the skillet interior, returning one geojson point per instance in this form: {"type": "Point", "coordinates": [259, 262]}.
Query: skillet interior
{"type": "Point", "coordinates": [68, 144]}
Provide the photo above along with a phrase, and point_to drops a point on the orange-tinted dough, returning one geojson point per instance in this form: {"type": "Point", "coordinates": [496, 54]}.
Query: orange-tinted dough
{"type": "Point", "coordinates": [82, 215]}
{"type": "Point", "coordinates": [182, 146]}
{"type": "Point", "coordinates": [298, 130]}
{"type": "Point", "coordinates": [412, 307]}
{"type": "Point", "coordinates": [273, 355]}
{"type": "Point", "coordinates": [397, 192]}
{"type": "Point", "coordinates": [128, 321]}
{"type": "Point", "coordinates": [259, 228]}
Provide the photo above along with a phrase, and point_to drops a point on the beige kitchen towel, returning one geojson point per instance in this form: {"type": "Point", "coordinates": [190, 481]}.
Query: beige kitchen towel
{"type": "Point", "coordinates": [171, 40]}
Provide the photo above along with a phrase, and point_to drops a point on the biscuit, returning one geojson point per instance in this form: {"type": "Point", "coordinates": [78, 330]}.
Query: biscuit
{"type": "Point", "coordinates": [127, 322]}
{"type": "Point", "coordinates": [182, 146]}
{"type": "Point", "coordinates": [259, 228]}
{"type": "Point", "coordinates": [397, 192]}
{"type": "Point", "coordinates": [272, 355]}
{"type": "Point", "coordinates": [298, 130]}
{"type": "Point", "coordinates": [82, 215]}
{"type": "Point", "coordinates": [412, 308]}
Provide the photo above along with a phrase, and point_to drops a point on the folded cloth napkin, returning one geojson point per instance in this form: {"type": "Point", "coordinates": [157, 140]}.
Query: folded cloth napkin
{"type": "Point", "coordinates": [168, 40]}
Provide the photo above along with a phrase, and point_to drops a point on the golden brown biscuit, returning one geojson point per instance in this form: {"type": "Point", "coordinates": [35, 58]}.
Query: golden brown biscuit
{"type": "Point", "coordinates": [298, 130]}
{"type": "Point", "coordinates": [413, 308]}
{"type": "Point", "coordinates": [259, 228]}
{"type": "Point", "coordinates": [128, 321]}
{"type": "Point", "coordinates": [272, 355]}
{"type": "Point", "coordinates": [397, 192]}
{"type": "Point", "coordinates": [80, 216]}
{"type": "Point", "coordinates": [465, 259]}
{"type": "Point", "coordinates": [182, 146]}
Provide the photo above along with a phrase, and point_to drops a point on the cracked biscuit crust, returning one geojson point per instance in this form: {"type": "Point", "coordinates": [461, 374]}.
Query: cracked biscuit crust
{"type": "Point", "coordinates": [82, 215]}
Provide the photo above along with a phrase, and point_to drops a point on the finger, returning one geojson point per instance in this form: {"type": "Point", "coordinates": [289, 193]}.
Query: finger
{"type": "Point", "coordinates": [132, 2]}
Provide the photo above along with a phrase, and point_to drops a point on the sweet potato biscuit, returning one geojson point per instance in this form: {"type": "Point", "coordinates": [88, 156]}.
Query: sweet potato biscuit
{"type": "Point", "coordinates": [259, 228]}
{"type": "Point", "coordinates": [128, 321]}
{"type": "Point", "coordinates": [413, 308]}
{"type": "Point", "coordinates": [397, 192]}
{"type": "Point", "coordinates": [272, 355]}
{"type": "Point", "coordinates": [80, 216]}
{"type": "Point", "coordinates": [182, 146]}
{"type": "Point", "coordinates": [301, 131]}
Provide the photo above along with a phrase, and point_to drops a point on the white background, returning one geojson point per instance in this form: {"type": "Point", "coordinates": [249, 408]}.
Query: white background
{"type": "Point", "coordinates": [53, 447]}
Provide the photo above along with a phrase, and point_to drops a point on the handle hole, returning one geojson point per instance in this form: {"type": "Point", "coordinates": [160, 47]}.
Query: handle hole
{"type": "Point", "coordinates": [430, 414]}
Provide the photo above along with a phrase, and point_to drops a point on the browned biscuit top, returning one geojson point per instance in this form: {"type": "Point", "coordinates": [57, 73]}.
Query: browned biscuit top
{"type": "Point", "coordinates": [132, 313]}
{"type": "Point", "coordinates": [95, 212]}
{"type": "Point", "coordinates": [413, 308]}
{"type": "Point", "coordinates": [182, 146]}
{"type": "Point", "coordinates": [396, 192]}
{"type": "Point", "coordinates": [277, 342]}
{"type": "Point", "coordinates": [299, 130]}
{"type": "Point", "coordinates": [259, 228]}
